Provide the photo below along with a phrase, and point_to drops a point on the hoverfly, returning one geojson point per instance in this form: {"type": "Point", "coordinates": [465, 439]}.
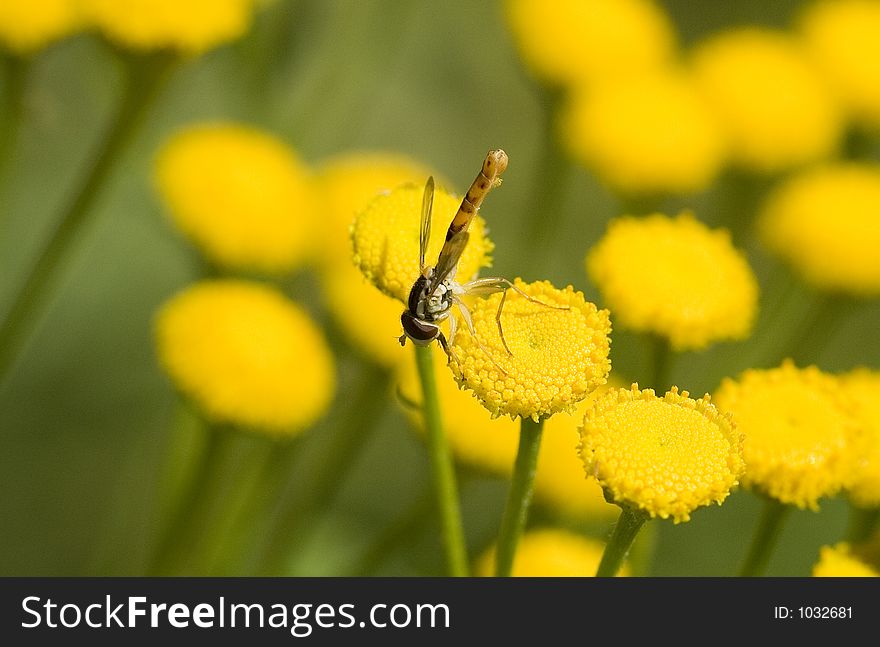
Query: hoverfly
{"type": "Point", "coordinates": [436, 290]}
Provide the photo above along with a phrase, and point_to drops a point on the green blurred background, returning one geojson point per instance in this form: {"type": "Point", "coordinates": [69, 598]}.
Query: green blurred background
{"type": "Point", "coordinates": [85, 418]}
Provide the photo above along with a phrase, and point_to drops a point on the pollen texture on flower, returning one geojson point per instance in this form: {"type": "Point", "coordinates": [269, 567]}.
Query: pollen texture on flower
{"type": "Point", "coordinates": [862, 387]}
{"type": "Point", "coordinates": [385, 237]}
{"type": "Point", "coordinates": [573, 41]}
{"type": "Point", "coordinates": [191, 27]}
{"type": "Point", "coordinates": [676, 278]}
{"type": "Point", "coordinates": [665, 455]}
{"type": "Point", "coordinates": [838, 561]}
{"type": "Point", "coordinates": [240, 194]}
{"type": "Point", "coordinates": [558, 347]}
{"type": "Point", "coordinates": [29, 25]}
{"type": "Point", "coordinates": [825, 223]}
{"type": "Point", "coordinates": [841, 37]}
{"type": "Point", "coordinates": [798, 433]}
{"type": "Point", "coordinates": [549, 552]}
{"type": "Point", "coordinates": [645, 134]}
{"type": "Point", "coordinates": [246, 355]}
{"type": "Point", "coordinates": [771, 102]}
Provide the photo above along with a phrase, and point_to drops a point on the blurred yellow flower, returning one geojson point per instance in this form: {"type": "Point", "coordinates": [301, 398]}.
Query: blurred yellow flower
{"type": "Point", "coordinates": [246, 355]}
{"type": "Point", "coordinates": [841, 36]}
{"type": "Point", "coordinates": [550, 552]}
{"type": "Point", "coordinates": [676, 278]}
{"type": "Point", "coordinates": [771, 102]}
{"type": "Point", "coordinates": [557, 356]}
{"type": "Point", "coordinates": [385, 237]}
{"type": "Point", "coordinates": [666, 456]}
{"type": "Point", "coordinates": [838, 561]}
{"type": "Point", "coordinates": [29, 25]}
{"type": "Point", "coordinates": [825, 223]}
{"type": "Point", "coordinates": [491, 444]}
{"type": "Point", "coordinates": [240, 194]}
{"type": "Point", "coordinates": [862, 387]}
{"type": "Point", "coordinates": [572, 41]}
{"type": "Point", "coordinates": [347, 183]}
{"type": "Point", "coordinates": [190, 27]}
{"type": "Point", "coordinates": [645, 133]}
{"type": "Point", "coordinates": [798, 433]}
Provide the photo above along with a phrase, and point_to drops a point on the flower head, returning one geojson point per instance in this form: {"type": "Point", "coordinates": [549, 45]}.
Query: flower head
{"type": "Point", "coordinates": [825, 223]}
{"type": "Point", "coordinates": [772, 104]}
{"type": "Point", "coordinates": [385, 237]}
{"type": "Point", "coordinates": [676, 278]}
{"type": "Point", "coordinates": [558, 351]}
{"type": "Point", "coordinates": [246, 355]}
{"type": "Point", "coordinates": [572, 41]}
{"type": "Point", "coordinates": [550, 552]}
{"type": "Point", "coordinates": [798, 433]}
{"type": "Point", "coordinates": [240, 194]}
{"type": "Point", "coordinates": [862, 387]}
{"type": "Point", "coordinates": [841, 37]}
{"type": "Point", "coordinates": [646, 133]}
{"type": "Point", "coordinates": [190, 27]}
{"type": "Point", "coordinates": [666, 456]}
{"type": "Point", "coordinates": [838, 561]}
{"type": "Point", "coordinates": [29, 25]}
{"type": "Point", "coordinates": [491, 444]}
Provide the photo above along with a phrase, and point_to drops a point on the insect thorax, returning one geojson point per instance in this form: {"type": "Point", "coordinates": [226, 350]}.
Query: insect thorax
{"type": "Point", "coordinates": [429, 301]}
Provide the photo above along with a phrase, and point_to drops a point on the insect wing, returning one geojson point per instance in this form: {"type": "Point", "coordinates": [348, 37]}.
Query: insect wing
{"type": "Point", "coordinates": [425, 224]}
{"type": "Point", "coordinates": [450, 255]}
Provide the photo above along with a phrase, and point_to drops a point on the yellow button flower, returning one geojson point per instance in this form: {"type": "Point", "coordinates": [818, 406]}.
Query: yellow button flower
{"type": "Point", "coordinates": [191, 27]}
{"type": "Point", "coordinates": [347, 183]}
{"type": "Point", "coordinates": [550, 553]}
{"type": "Point", "coordinates": [557, 356]}
{"type": "Point", "coordinates": [838, 561]}
{"type": "Point", "coordinates": [798, 433]}
{"type": "Point", "coordinates": [385, 237]}
{"type": "Point", "coordinates": [841, 36]}
{"type": "Point", "coordinates": [246, 355]}
{"type": "Point", "coordinates": [645, 134]}
{"type": "Point", "coordinates": [666, 456]}
{"type": "Point", "coordinates": [825, 223]}
{"type": "Point", "coordinates": [490, 444]}
{"type": "Point", "coordinates": [240, 194]}
{"type": "Point", "coordinates": [571, 41]}
{"type": "Point", "coordinates": [863, 389]}
{"type": "Point", "coordinates": [29, 25]}
{"type": "Point", "coordinates": [771, 102]}
{"type": "Point", "coordinates": [676, 278]}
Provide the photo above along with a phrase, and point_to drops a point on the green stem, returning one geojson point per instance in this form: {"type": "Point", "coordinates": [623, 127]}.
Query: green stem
{"type": "Point", "coordinates": [16, 72]}
{"type": "Point", "coordinates": [519, 496]}
{"type": "Point", "coordinates": [442, 470]}
{"type": "Point", "coordinates": [143, 81]}
{"type": "Point", "coordinates": [862, 522]}
{"type": "Point", "coordinates": [766, 535]}
{"type": "Point", "coordinates": [660, 360]}
{"type": "Point", "coordinates": [641, 555]}
{"type": "Point", "coordinates": [628, 525]}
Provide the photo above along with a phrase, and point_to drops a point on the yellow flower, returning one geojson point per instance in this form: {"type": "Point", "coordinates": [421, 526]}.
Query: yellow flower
{"type": "Point", "coordinates": [240, 194]}
{"type": "Point", "coordinates": [798, 433]}
{"type": "Point", "coordinates": [676, 278]}
{"type": "Point", "coordinates": [838, 561]}
{"type": "Point", "coordinates": [842, 38]}
{"type": "Point", "coordinates": [557, 356]}
{"type": "Point", "coordinates": [491, 445]}
{"type": "Point", "coordinates": [385, 237]}
{"type": "Point", "coordinates": [550, 553]}
{"type": "Point", "coordinates": [666, 456]}
{"type": "Point", "coordinates": [29, 25]}
{"type": "Point", "coordinates": [863, 389]}
{"type": "Point", "coordinates": [191, 27]}
{"type": "Point", "coordinates": [246, 355]}
{"type": "Point", "coordinates": [571, 41]}
{"type": "Point", "coordinates": [347, 183]}
{"type": "Point", "coordinates": [645, 134]}
{"type": "Point", "coordinates": [825, 223]}
{"type": "Point", "coordinates": [775, 109]}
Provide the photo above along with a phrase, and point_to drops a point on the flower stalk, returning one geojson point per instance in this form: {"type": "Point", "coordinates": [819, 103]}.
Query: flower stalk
{"type": "Point", "coordinates": [766, 535]}
{"type": "Point", "coordinates": [628, 525]}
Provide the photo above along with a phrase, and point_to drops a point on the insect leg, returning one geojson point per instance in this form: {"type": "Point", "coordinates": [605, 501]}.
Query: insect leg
{"type": "Point", "coordinates": [491, 285]}
{"type": "Point", "coordinates": [469, 322]}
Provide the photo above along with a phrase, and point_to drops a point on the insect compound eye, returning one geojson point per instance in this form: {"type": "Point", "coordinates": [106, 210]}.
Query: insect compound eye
{"type": "Point", "coordinates": [421, 332]}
